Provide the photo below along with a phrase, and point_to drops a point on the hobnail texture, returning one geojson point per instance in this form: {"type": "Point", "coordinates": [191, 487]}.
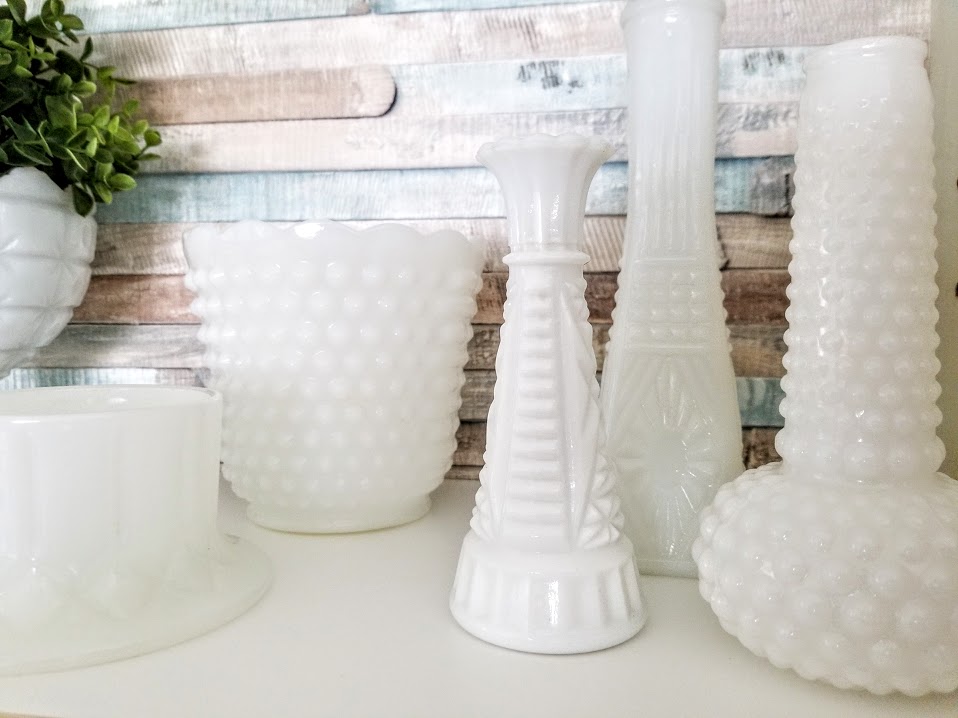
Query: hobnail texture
{"type": "Point", "coordinates": [545, 567]}
{"type": "Point", "coordinates": [842, 561]}
{"type": "Point", "coordinates": [340, 358]}
{"type": "Point", "coordinates": [45, 253]}
{"type": "Point", "coordinates": [668, 385]}
{"type": "Point", "coordinates": [108, 540]}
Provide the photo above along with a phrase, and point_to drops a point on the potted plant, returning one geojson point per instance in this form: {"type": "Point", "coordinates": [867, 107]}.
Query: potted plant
{"type": "Point", "coordinates": [65, 145]}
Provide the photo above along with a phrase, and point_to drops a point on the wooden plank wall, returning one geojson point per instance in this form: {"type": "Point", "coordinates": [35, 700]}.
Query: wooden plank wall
{"type": "Point", "coordinates": [373, 110]}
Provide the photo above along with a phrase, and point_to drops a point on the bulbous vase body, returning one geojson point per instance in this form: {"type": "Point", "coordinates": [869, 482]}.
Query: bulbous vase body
{"type": "Point", "coordinates": [841, 561]}
{"type": "Point", "coordinates": [668, 387]}
{"type": "Point", "coordinates": [45, 253]}
{"type": "Point", "coordinates": [340, 358]}
{"type": "Point", "coordinates": [544, 567]}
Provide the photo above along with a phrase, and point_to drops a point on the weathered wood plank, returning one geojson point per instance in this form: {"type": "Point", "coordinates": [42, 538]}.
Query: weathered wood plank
{"type": "Point", "coordinates": [127, 15]}
{"type": "Point", "coordinates": [756, 350]}
{"type": "Point", "coordinates": [39, 377]}
{"type": "Point", "coordinates": [337, 92]}
{"type": "Point", "coordinates": [746, 75]}
{"type": "Point", "coordinates": [549, 31]}
{"type": "Point", "coordinates": [760, 186]}
{"type": "Point", "coordinates": [758, 448]}
{"type": "Point", "coordinates": [402, 142]}
{"type": "Point", "coordinates": [751, 297]}
{"type": "Point", "coordinates": [747, 242]}
{"type": "Point", "coordinates": [758, 396]}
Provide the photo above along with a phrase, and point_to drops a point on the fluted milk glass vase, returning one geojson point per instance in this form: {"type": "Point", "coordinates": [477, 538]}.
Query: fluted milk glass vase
{"type": "Point", "coordinates": [668, 388]}
{"type": "Point", "coordinates": [545, 568]}
{"type": "Point", "coordinates": [841, 561]}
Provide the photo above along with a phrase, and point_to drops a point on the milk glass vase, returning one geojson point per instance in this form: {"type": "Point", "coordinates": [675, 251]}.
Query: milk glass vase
{"type": "Point", "coordinates": [841, 561]}
{"type": "Point", "coordinates": [668, 387]}
{"type": "Point", "coordinates": [340, 356]}
{"type": "Point", "coordinates": [544, 567]}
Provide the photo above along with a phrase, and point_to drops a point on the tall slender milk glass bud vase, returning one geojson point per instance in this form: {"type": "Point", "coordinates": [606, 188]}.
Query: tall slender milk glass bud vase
{"type": "Point", "coordinates": [544, 567]}
{"type": "Point", "coordinates": [842, 560]}
{"type": "Point", "coordinates": [668, 388]}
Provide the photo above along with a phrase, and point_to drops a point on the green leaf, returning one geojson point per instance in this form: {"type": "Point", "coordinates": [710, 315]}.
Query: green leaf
{"type": "Point", "coordinates": [6, 30]}
{"type": "Point", "coordinates": [91, 147]}
{"type": "Point", "coordinates": [62, 112]}
{"type": "Point", "coordinates": [122, 182]}
{"type": "Point", "coordinates": [87, 49]}
{"type": "Point", "coordinates": [3, 155]}
{"type": "Point", "coordinates": [84, 88]}
{"type": "Point", "coordinates": [130, 107]}
{"type": "Point", "coordinates": [31, 153]}
{"type": "Point", "coordinates": [82, 201]}
{"type": "Point", "coordinates": [21, 71]}
{"type": "Point", "coordinates": [71, 22]}
{"type": "Point", "coordinates": [18, 8]}
{"type": "Point", "coordinates": [101, 116]}
{"type": "Point", "coordinates": [152, 138]}
{"type": "Point", "coordinates": [104, 157]}
{"type": "Point", "coordinates": [103, 191]}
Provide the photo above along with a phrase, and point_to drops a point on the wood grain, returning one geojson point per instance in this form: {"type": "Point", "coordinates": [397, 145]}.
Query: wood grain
{"type": "Point", "coordinates": [401, 142]}
{"type": "Point", "coordinates": [747, 242]}
{"type": "Point", "coordinates": [548, 31]}
{"type": "Point", "coordinates": [752, 296]}
{"type": "Point", "coordinates": [757, 185]}
{"type": "Point", "coordinates": [336, 92]}
{"type": "Point", "coordinates": [756, 350]}
{"type": "Point", "coordinates": [126, 15]}
{"type": "Point", "coordinates": [758, 448]}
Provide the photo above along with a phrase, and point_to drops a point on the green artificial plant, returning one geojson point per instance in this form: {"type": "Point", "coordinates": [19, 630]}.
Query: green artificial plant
{"type": "Point", "coordinates": [58, 110]}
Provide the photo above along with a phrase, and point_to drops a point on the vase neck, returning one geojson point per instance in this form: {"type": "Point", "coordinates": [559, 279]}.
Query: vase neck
{"type": "Point", "coordinates": [545, 181]}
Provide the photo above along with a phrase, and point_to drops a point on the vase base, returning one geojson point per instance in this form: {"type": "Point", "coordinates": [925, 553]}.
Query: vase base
{"type": "Point", "coordinates": [574, 602]}
{"type": "Point", "coordinates": [340, 520]}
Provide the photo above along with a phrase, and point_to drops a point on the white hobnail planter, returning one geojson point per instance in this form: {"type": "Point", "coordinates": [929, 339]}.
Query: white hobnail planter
{"type": "Point", "coordinates": [544, 567]}
{"type": "Point", "coordinates": [668, 387]}
{"type": "Point", "coordinates": [45, 253]}
{"type": "Point", "coordinates": [108, 540]}
{"type": "Point", "coordinates": [340, 357]}
{"type": "Point", "coordinates": [841, 561]}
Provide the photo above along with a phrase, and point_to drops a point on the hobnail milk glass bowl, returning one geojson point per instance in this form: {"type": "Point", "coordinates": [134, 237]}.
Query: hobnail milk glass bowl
{"type": "Point", "coordinates": [340, 357]}
{"type": "Point", "coordinates": [108, 540]}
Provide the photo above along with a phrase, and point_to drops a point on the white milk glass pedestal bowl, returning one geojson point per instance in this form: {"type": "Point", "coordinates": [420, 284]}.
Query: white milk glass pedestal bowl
{"type": "Point", "coordinates": [108, 539]}
{"type": "Point", "coordinates": [545, 567]}
{"type": "Point", "coordinates": [45, 254]}
{"type": "Point", "coordinates": [841, 561]}
{"type": "Point", "coordinates": [340, 356]}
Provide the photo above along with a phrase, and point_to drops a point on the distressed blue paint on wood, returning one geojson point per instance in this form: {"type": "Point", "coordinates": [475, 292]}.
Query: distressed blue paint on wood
{"type": "Point", "coordinates": [741, 185]}
{"type": "Point", "coordinates": [754, 75]}
{"type": "Point", "coordinates": [758, 401]}
{"type": "Point", "coordinates": [127, 15]}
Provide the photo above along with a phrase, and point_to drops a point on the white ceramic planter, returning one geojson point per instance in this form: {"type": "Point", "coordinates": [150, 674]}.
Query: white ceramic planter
{"type": "Point", "coordinates": [108, 540]}
{"type": "Point", "coordinates": [45, 254]}
{"type": "Point", "coordinates": [841, 562]}
{"type": "Point", "coordinates": [545, 567]}
{"type": "Point", "coordinates": [668, 387]}
{"type": "Point", "coordinates": [340, 357]}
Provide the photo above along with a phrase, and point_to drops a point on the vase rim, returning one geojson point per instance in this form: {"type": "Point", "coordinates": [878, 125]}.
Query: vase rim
{"type": "Point", "coordinates": [311, 230]}
{"type": "Point", "coordinates": [541, 141]}
{"type": "Point", "coordinates": [634, 8]}
{"type": "Point", "coordinates": [866, 48]}
{"type": "Point", "coordinates": [73, 403]}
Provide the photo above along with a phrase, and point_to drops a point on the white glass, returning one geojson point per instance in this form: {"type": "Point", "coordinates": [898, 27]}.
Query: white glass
{"type": "Point", "coordinates": [108, 540]}
{"type": "Point", "coordinates": [544, 567]}
{"type": "Point", "coordinates": [668, 387]}
{"type": "Point", "coordinates": [841, 561]}
{"type": "Point", "coordinates": [340, 358]}
{"type": "Point", "coordinates": [45, 254]}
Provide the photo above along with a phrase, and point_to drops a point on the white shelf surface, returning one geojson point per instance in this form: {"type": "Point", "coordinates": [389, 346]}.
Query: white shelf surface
{"type": "Point", "coordinates": [358, 625]}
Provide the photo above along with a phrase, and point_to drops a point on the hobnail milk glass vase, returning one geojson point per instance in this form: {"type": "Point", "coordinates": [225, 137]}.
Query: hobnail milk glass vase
{"type": "Point", "coordinates": [668, 387]}
{"type": "Point", "coordinates": [544, 567]}
{"type": "Point", "coordinates": [108, 540]}
{"type": "Point", "coordinates": [340, 356]}
{"type": "Point", "coordinates": [841, 561]}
